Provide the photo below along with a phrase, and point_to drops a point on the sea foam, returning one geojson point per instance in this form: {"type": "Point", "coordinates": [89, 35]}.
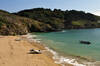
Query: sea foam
{"type": "Point", "coordinates": [58, 59]}
{"type": "Point", "coordinates": [33, 38]}
{"type": "Point", "coordinates": [63, 60]}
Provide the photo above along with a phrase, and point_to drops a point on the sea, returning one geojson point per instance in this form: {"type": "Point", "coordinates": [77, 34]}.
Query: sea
{"type": "Point", "coordinates": [66, 46]}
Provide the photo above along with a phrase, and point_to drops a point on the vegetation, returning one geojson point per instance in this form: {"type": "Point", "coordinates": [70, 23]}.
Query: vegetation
{"type": "Point", "coordinates": [45, 20]}
{"type": "Point", "coordinates": [59, 19]}
{"type": "Point", "coordinates": [15, 25]}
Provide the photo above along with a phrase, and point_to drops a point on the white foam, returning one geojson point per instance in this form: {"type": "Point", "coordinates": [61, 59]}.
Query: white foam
{"type": "Point", "coordinates": [33, 38]}
{"type": "Point", "coordinates": [62, 60]}
{"type": "Point", "coordinates": [63, 31]}
{"type": "Point", "coordinates": [58, 59]}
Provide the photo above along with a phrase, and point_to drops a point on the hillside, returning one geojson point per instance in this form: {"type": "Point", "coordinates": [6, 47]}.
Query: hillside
{"type": "Point", "coordinates": [45, 20]}
{"type": "Point", "coordinates": [15, 25]}
{"type": "Point", "coordinates": [59, 19]}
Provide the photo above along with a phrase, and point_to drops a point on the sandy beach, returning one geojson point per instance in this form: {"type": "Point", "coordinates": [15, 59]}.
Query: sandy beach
{"type": "Point", "coordinates": [15, 53]}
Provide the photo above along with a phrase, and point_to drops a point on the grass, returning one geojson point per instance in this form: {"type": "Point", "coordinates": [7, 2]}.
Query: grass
{"type": "Point", "coordinates": [79, 22]}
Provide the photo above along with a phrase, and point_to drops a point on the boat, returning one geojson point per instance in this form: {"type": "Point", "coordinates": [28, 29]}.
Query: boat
{"type": "Point", "coordinates": [85, 42]}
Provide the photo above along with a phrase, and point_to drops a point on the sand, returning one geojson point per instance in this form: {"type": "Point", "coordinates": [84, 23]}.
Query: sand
{"type": "Point", "coordinates": [15, 53]}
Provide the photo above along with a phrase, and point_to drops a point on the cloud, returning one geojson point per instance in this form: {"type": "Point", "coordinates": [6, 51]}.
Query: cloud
{"type": "Point", "coordinates": [96, 13]}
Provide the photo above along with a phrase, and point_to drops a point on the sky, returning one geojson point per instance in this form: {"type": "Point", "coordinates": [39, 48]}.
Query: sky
{"type": "Point", "coordinates": [92, 6]}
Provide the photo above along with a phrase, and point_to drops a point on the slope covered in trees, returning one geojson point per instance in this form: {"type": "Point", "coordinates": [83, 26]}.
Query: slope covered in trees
{"type": "Point", "coordinates": [59, 19]}
{"type": "Point", "coordinates": [15, 25]}
{"type": "Point", "coordinates": [45, 20]}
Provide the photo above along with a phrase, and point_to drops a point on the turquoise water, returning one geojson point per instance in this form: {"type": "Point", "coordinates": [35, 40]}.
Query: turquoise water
{"type": "Point", "coordinates": [67, 42]}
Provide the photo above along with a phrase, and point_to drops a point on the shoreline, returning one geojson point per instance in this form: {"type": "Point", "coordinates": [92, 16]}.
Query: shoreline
{"type": "Point", "coordinates": [63, 60]}
{"type": "Point", "coordinates": [16, 48]}
{"type": "Point", "coordinates": [46, 50]}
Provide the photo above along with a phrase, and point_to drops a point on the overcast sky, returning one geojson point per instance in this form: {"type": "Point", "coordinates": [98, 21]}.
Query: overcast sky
{"type": "Point", "coordinates": [92, 6]}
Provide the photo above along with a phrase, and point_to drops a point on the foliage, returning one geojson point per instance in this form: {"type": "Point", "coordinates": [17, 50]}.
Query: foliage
{"type": "Point", "coordinates": [59, 19]}
{"type": "Point", "coordinates": [11, 24]}
{"type": "Point", "coordinates": [45, 20]}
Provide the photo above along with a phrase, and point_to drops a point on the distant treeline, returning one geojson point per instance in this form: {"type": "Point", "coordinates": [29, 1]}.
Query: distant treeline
{"type": "Point", "coordinates": [45, 20]}
{"type": "Point", "coordinates": [59, 19]}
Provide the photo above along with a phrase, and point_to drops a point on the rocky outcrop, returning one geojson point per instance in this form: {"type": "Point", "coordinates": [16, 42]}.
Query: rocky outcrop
{"type": "Point", "coordinates": [15, 25]}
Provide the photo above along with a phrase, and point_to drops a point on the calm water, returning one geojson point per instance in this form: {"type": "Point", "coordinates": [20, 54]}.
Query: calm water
{"type": "Point", "coordinates": [67, 42]}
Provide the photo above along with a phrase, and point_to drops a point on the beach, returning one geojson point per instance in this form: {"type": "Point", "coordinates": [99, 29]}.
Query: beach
{"type": "Point", "coordinates": [14, 52]}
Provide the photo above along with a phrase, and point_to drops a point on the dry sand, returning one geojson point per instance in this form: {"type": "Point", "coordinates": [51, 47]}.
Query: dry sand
{"type": "Point", "coordinates": [15, 53]}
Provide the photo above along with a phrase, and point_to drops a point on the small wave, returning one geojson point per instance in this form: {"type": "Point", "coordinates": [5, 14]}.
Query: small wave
{"type": "Point", "coordinates": [58, 59]}
{"type": "Point", "coordinates": [62, 60]}
{"type": "Point", "coordinates": [33, 38]}
{"type": "Point", "coordinates": [63, 31]}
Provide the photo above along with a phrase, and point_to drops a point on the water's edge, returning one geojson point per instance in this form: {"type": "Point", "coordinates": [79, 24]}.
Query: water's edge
{"type": "Point", "coordinates": [58, 58]}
